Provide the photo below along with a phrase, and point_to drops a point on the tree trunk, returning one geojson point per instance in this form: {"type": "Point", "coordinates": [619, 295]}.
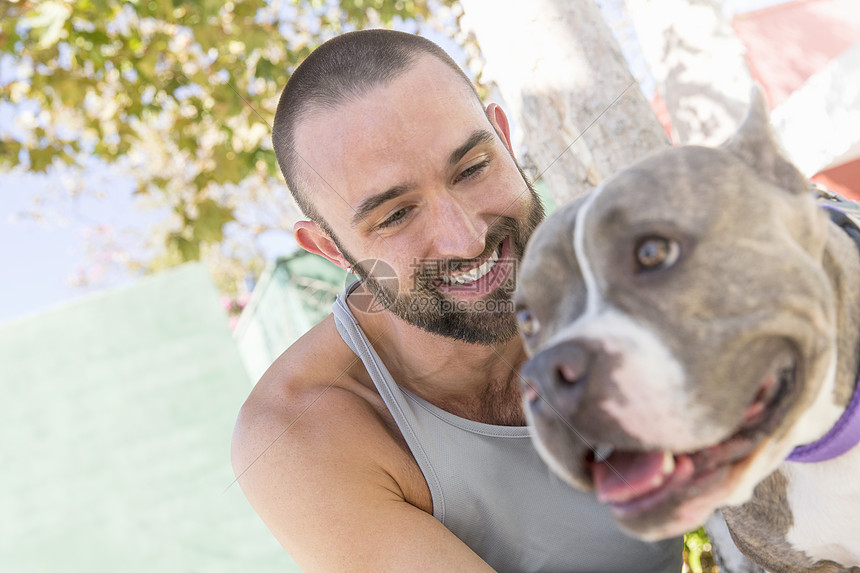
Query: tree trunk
{"type": "Point", "coordinates": [568, 87]}
{"type": "Point", "coordinates": [698, 64]}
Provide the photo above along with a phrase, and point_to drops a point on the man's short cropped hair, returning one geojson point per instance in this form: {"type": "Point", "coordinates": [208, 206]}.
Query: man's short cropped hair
{"type": "Point", "coordinates": [343, 68]}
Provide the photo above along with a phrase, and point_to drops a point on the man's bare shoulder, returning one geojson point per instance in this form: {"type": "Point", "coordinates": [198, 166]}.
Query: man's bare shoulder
{"type": "Point", "coordinates": [316, 398]}
{"type": "Point", "coordinates": [310, 394]}
{"type": "Point", "coordinates": [319, 458]}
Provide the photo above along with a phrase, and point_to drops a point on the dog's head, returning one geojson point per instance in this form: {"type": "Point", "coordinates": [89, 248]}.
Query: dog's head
{"type": "Point", "coordinates": [679, 321]}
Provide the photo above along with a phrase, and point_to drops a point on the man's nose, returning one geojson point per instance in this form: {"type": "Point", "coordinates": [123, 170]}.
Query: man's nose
{"type": "Point", "coordinates": [457, 231]}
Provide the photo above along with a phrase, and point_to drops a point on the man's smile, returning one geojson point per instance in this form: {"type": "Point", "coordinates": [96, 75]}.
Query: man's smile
{"type": "Point", "coordinates": [482, 277]}
{"type": "Point", "coordinates": [477, 271]}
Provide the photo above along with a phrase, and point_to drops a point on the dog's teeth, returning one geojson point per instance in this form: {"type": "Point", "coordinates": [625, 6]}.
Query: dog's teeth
{"type": "Point", "coordinates": [668, 463]}
{"type": "Point", "coordinates": [602, 451]}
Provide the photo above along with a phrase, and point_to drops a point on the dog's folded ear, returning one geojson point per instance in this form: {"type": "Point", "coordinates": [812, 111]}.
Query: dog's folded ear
{"type": "Point", "coordinates": [755, 144]}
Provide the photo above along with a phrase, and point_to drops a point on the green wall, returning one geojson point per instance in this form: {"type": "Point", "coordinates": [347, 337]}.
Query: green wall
{"type": "Point", "coordinates": [115, 416]}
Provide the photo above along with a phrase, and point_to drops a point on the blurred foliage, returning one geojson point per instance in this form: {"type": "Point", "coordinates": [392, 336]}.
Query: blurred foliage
{"type": "Point", "coordinates": [180, 94]}
{"type": "Point", "coordinates": [698, 555]}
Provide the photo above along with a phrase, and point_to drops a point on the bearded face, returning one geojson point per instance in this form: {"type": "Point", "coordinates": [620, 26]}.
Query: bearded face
{"type": "Point", "coordinates": [432, 303]}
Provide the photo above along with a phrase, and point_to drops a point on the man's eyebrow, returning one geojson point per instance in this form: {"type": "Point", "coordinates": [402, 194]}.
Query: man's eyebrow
{"type": "Point", "coordinates": [371, 203]}
{"type": "Point", "coordinates": [478, 137]}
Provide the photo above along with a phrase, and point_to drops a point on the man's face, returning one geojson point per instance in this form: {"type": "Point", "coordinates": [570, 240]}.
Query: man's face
{"type": "Point", "coordinates": [413, 178]}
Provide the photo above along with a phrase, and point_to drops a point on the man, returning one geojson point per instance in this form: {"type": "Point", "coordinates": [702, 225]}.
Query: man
{"type": "Point", "coordinates": [410, 182]}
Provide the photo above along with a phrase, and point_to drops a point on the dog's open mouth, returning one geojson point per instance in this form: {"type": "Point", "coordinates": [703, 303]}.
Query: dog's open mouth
{"type": "Point", "coordinates": [634, 482]}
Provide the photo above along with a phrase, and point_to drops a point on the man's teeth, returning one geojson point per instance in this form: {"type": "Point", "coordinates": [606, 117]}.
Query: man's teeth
{"type": "Point", "coordinates": [474, 274]}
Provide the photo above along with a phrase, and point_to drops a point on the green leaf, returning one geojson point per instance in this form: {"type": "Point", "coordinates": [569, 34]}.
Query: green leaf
{"type": "Point", "coordinates": [209, 225]}
{"type": "Point", "coordinates": [9, 151]}
{"type": "Point", "coordinates": [41, 158]}
{"type": "Point", "coordinates": [186, 249]}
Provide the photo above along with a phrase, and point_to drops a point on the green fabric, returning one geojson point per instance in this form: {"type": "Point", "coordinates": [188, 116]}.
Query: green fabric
{"type": "Point", "coordinates": [116, 415]}
{"type": "Point", "coordinates": [293, 294]}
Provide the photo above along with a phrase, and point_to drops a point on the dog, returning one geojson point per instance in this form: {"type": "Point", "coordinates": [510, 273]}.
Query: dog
{"type": "Point", "coordinates": [692, 328]}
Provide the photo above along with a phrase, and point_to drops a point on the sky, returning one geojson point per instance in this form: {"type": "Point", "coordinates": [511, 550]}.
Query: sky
{"type": "Point", "coordinates": [47, 261]}
{"type": "Point", "coordinates": [62, 256]}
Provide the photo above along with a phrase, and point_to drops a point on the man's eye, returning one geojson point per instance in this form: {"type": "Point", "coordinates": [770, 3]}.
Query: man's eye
{"type": "Point", "coordinates": [395, 218]}
{"type": "Point", "coordinates": [473, 171]}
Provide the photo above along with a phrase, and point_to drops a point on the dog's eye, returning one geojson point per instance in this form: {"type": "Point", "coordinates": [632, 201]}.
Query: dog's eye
{"type": "Point", "coordinates": [528, 322]}
{"type": "Point", "coordinates": [653, 253]}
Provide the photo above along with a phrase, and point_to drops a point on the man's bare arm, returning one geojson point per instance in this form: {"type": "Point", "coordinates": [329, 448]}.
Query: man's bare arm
{"type": "Point", "coordinates": [331, 488]}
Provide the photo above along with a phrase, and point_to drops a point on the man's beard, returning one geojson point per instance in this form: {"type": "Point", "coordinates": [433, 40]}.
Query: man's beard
{"type": "Point", "coordinates": [425, 306]}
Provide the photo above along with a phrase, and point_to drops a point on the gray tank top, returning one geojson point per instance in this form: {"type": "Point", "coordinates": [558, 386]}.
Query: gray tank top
{"type": "Point", "coordinates": [491, 489]}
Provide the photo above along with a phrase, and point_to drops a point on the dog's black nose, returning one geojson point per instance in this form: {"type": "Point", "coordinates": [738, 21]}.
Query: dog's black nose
{"type": "Point", "coordinates": [559, 374]}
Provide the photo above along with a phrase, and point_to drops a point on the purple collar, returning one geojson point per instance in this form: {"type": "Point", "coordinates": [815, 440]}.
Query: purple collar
{"type": "Point", "coordinates": [843, 436]}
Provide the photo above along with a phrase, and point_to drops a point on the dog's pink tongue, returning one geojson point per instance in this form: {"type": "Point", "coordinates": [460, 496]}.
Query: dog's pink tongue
{"type": "Point", "coordinates": [627, 475]}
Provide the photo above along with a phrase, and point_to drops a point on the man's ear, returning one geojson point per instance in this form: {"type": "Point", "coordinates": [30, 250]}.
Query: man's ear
{"type": "Point", "coordinates": [500, 121]}
{"type": "Point", "coordinates": [314, 240]}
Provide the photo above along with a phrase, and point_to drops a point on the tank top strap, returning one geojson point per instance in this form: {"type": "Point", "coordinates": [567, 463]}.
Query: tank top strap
{"type": "Point", "coordinates": [395, 399]}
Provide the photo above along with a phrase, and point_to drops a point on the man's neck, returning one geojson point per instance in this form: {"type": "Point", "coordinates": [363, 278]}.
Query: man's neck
{"type": "Point", "coordinates": [474, 381]}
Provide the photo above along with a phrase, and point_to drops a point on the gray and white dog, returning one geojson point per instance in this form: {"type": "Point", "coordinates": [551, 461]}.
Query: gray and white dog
{"type": "Point", "coordinates": [693, 327]}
